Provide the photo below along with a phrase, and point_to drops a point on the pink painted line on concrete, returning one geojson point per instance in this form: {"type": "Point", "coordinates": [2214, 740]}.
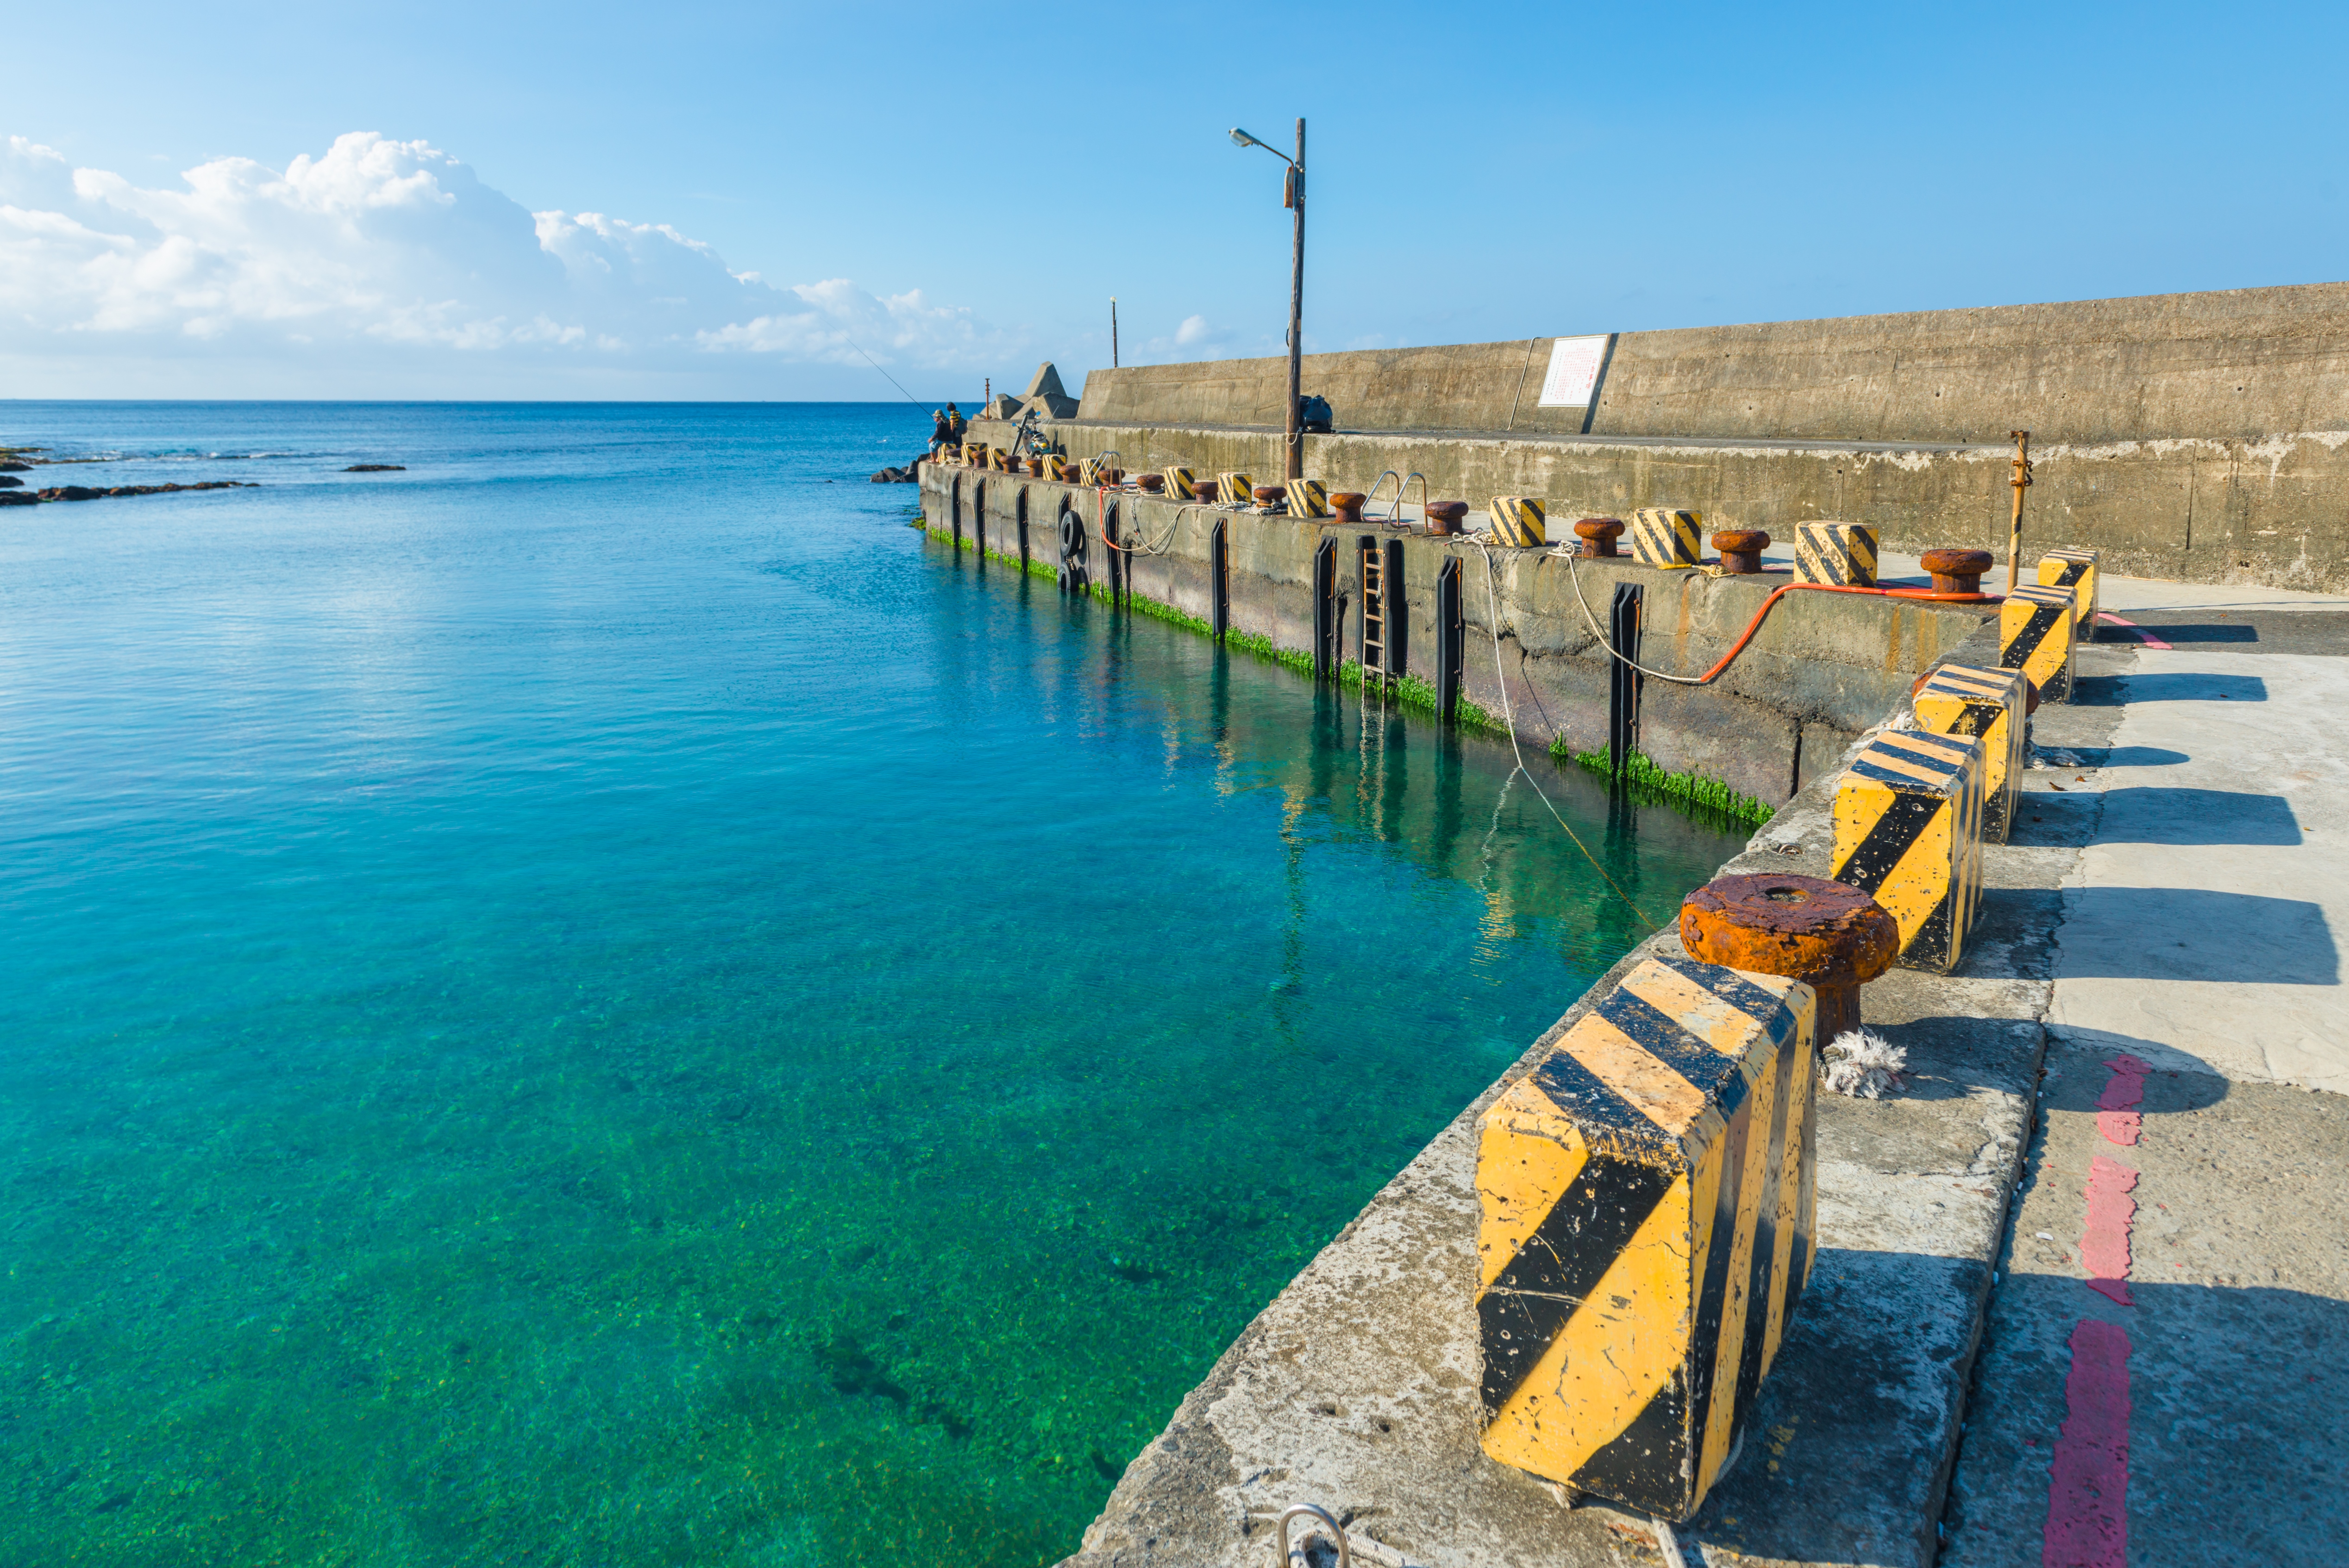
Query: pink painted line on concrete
{"type": "Point", "coordinates": [2104, 1241]}
{"type": "Point", "coordinates": [2087, 1488]}
{"type": "Point", "coordinates": [2143, 636]}
{"type": "Point", "coordinates": [2117, 1117]}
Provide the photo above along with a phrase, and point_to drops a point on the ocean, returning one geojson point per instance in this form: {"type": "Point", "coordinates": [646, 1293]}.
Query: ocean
{"type": "Point", "coordinates": [604, 1000]}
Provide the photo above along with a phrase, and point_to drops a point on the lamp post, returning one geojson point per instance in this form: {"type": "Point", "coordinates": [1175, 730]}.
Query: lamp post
{"type": "Point", "coordinates": [1292, 196]}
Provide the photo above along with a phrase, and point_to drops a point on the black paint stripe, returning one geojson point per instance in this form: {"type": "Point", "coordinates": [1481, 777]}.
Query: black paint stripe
{"type": "Point", "coordinates": [1759, 1292]}
{"type": "Point", "coordinates": [1641, 1465]}
{"type": "Point", "coordinates": [2017, 654]}
{"type": "Point", "coordinates": [1932, 943]}
{"type": "Point", "coordinates": [1593, 1103]}
{"type": "Point", "coordinates": [1656, 1032]}
{"type": "Point", "coordinates": [1521, 1312]}
{"type": "Point", "coordinates": [2071, 575]}
{"type": "Point", "coordinates": [1873, 859]}
{"type": "Point", "coordinates": [1705, 1338]}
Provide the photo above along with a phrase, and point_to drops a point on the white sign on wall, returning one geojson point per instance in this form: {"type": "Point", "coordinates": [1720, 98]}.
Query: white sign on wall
{"type": "Point", "coordinates": [1574, 366]}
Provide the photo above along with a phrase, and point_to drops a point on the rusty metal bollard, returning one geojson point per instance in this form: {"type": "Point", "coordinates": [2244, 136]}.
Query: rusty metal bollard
{"type": "Point", "coordinates": [1150, 484]}
{"type": "Point", "coordinates": [1741, 550]}
{"type": "Point", "coordinates": [1444, 516]}
{"type": "Point", "coordinates": [1597, 536]}
{"type": "Point", "coordinates": [1957, 571]}
{"type": "Point", "coordinates": [1348, 504]}
{"type": "Point", "coordinates": [1204, 490]}
{"type": "Point", "coordinates": [1268, 496]}
{"type": "Point", "coordinates": [1830, 936]}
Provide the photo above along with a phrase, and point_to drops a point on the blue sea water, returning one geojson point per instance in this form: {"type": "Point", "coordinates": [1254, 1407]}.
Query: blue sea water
{"type": "Point", "coordinates": [602, 999]}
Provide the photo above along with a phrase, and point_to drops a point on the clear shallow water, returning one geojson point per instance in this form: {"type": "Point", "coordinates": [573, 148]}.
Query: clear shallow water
{"type": "Point", "coordinates": [603, 1000]}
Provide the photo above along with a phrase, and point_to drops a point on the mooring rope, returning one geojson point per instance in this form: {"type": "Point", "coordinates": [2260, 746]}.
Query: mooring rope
{"type": "Point", "coordinates": [1510, 721]}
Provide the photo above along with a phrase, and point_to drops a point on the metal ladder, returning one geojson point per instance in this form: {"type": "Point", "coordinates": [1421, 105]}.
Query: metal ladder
{"type": "Point", "coordinates": [1374, 615]}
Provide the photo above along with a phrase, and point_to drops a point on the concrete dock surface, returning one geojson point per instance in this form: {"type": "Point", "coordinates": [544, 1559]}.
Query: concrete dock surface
{"type": "Point", "coordinates": [2124, 1111]}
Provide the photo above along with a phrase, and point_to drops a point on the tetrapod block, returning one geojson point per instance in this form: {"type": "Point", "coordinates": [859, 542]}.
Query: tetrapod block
{"type": "Point", "coordinates": [2037, 634]}
{"type": "Point", "coordinates": [1908, 833]}
{"type": "Point", "coordinates": [1664, 536]}
{"type": "Point", "coordinates": [1840, 555]}
{"type": "Point", "coordinates": [1647, 1195]}
{"type": "Point", "coordinates": [1990, 705]}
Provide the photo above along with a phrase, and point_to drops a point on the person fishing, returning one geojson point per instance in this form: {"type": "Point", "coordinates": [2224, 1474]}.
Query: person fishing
{"type": "Point", "coordinates": [942, 430]}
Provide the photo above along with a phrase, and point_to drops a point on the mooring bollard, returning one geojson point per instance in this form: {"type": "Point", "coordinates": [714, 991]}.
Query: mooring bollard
{"type": "Point", "coordinates": [1597, 536]}
{"type": "Point", "coordinates": [1830, 936]}
{"type": "Point", "coordinates": [1347, 504]}
{"type": "Point", "coordinates": [1957, 571]}
{"type": "Point", "coordinates": [2076, 570]}
{"type": "Point", "coordinates": [1150, 484]}
{"type": "Point", "coordinates": [1993, 706]}
{"type": "Point", "coordinates": [1444, 517]}
{"type": "Point", "coordinates": [1270, 496]}
{"type": "Point", "coordinates": [2037, 634]}
{"type": "Point", "coordinates": [1646, 1214]}
{"type": "Point", "coordinates": [1837, 555]}
{"type": "Point", "coordinates": [1206, 490]}
{"type": "Point", "coordinates": [1665, 536]}
{"type": "Point", "coordinates": [1908, 833]}
{"type": "Point", "coordinates": [1741, 550]}
{"type": "Point", "coordinates": [1518, 521]}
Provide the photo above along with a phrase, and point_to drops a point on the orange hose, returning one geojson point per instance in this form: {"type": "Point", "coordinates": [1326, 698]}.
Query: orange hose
{"type": "Point", "coordinates": [1710, 676]}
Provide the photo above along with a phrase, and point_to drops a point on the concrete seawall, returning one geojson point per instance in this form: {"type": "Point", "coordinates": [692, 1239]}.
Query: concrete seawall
{"type": "Point", "coordinates": [2201, 438]}
{"type": "Point", "coordinates": [1822, 668]}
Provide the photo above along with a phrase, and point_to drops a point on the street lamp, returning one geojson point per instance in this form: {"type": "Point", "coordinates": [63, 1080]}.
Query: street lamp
{"type": "Point", "coordinates": [1292, 196]}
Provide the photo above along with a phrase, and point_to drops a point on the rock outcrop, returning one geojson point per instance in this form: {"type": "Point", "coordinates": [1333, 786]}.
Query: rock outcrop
{"type": "Point", "coordinates": [87, 493]}
{"type": "Point", "coordinates": [908, 474]}
{"type": "Point", "coordinates": [377, 468]}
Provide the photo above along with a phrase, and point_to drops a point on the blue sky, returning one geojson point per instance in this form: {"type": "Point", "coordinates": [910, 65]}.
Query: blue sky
{"type": "Point", "coordinates": [959, 191]}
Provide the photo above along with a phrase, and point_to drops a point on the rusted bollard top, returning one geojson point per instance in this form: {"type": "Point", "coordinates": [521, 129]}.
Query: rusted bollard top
{"type": "Point", "coordinates": [1151, 484]}
{"type": "Point", "coordinates": [1806, 927]}
{"type": "Point", "coordinates": [1203, 490]}
{"type": "Point", "coordinates": [1347, 504]}
{"type": "Point", "coordinates": [1956, 571]}
{"type": "Point", "coordinates": [1741, 548]}
{"type": "Point", "coordinates": [1266, 494]}
{"type": "Point", "coordinates": [1444, 516]}
{"type": "Point", "coordinates": [1601, 532]}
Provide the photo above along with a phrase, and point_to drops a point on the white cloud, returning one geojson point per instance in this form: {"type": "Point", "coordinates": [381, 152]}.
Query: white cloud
{"type": "Point", "coordinates": [394, 251]}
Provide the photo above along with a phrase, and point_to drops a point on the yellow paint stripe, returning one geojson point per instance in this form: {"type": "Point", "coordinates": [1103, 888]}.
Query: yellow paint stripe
{"type": "Point", "coordinates": [1800, 1094]}
{"type": "Point", "coordinates": [1919, 879]}
{"type": "Point", "coordinates": [1520, 1176]}
{"type": "Point", "coordinates": [1612, 1357]}
{"type": "Point", "coordinates": [1621, 1063]}
{"type": "Point", "coordinates": [1721, 1418]}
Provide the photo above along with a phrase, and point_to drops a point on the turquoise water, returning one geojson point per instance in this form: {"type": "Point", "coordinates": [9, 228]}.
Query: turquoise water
{"type": "Point", "coordinates": [603, 1000]}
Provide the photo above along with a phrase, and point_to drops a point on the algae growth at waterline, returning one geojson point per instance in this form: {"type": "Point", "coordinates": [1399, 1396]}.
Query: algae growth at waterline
{"type": "Point", "coordinates": [553, 1028]}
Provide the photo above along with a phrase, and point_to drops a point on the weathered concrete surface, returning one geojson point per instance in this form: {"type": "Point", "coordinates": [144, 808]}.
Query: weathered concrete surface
{"type": "Point", "coordinates": [2238, 362]}
{"type": "Point", "coordinates": [2271, 509]}
{"type": "Point", "coordinates": [1357, 1387]}
{"type": "Point", "coordinates": [2200, 930]}
{"type": "Point", "coordinates": [2199, 938]}
{"type": "Point", "coordinates": [1822, 668]}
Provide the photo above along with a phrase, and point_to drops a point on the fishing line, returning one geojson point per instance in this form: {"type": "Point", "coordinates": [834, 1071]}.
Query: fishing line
{"type": "Point", "coordinates": [876, 365]}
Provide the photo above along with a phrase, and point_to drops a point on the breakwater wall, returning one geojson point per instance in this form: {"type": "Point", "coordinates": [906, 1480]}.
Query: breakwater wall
{"type": "Point", "coordinates": [1822, 668]}
{"type": "Point", "coordinates": [2201, 437]}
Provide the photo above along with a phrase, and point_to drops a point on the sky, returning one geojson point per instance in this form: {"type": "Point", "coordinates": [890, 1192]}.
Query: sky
{"type": "Point", "coordinates": [718, 201]}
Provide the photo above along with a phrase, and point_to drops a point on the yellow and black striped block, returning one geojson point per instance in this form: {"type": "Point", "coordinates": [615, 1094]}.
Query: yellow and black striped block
{"type": "Point", "coordinates": [1842, 555]}
{"type": "Point", "coordinates": [1234, 490]}
{"type": "Point", "coordinates": [1517, 520]}
{"type": "Point", "coordinates": [2037, 632]}
{"type": "Point", "coordinates": [1908, 833]}
{"type": "Point", "coordinates": [998, 460]}
{"type": "Point", "coordinates": [1990, 705]}
{"type": "Point", "coordinates": [1090, 471]}
{"type": "Point", "coordinates": [1178, 483]}
{"type": "Point", "coordinates": [1055, 466]}
{"type": "Point", "coordinates": [1663, 537]}
{"type": "Point", "coordinates": [2076, 570]}
{"type": "Point", "coordinates": [974, 455]}
{"type": "Point", "coordinates": [1647, 1198]}
{"type": "Point", "coordinates": [1307, 498]}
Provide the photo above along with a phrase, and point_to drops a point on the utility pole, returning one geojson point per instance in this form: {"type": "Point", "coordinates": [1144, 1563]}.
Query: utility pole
{"type": "Point", "coordinates": [1297, 308]}
{"type": "Point", "coordinates": [2014, 523]}
{"type": "Point", "coordinates": [1112, 332]}
{"type": "Point", "coordinates": [1292, 196]}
